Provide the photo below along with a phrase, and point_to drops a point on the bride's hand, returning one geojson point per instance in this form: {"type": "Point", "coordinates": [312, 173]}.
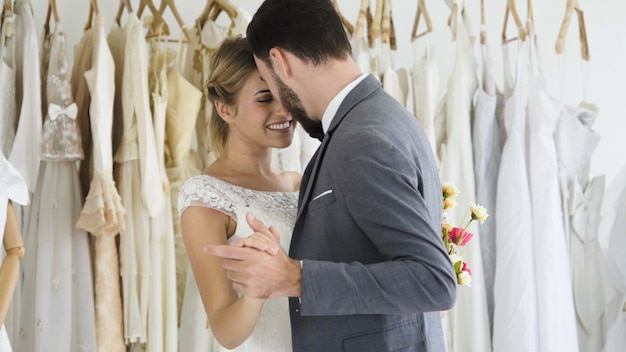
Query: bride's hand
{"type": "Point", "coordinates": [268, 242]}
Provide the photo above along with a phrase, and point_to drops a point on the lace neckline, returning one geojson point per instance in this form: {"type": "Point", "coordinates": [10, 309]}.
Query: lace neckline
{"type": "Point", "coordinates": [245, 188]}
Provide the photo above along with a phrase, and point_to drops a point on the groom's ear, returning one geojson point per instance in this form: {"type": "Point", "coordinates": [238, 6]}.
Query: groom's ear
{"type": "Point", "coordinates": [281, 62]}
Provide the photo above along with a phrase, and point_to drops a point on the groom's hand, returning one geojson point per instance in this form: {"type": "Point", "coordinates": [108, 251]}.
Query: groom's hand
{"type": "Point", "coordinates": [256, 274]}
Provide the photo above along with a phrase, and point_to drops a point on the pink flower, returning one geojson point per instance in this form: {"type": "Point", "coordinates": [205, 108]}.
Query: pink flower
{"type": "Point", "coordinates": [464, 267]}
{"type": "Point", "coordinates": [459, 236]}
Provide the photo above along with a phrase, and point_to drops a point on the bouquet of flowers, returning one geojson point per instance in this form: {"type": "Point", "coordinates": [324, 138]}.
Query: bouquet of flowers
{"type": "Point", "coordinates": [455, 237]}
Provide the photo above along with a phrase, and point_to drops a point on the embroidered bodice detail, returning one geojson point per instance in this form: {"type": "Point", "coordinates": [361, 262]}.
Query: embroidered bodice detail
{"type": "Point", "coordinates": [210, 192]}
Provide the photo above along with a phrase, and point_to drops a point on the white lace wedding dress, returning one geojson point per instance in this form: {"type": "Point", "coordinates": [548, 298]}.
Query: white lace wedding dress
{"type": "Point", "coordinates": [273, 331]}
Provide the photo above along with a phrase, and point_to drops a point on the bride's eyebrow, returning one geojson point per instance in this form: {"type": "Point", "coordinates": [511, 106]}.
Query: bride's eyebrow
{"type": "Point", "coordinates": [262, 91]}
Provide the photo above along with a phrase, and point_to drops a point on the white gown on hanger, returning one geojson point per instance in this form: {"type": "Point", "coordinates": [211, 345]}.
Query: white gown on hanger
{"type": "Point", "coordinates": [576, 140]}
{"type": "Point", "coordinates": [426, 82]}
{"type": "Point", "coordinates": [515, 293]}
{"type": "Point", "coordinates": [57, 304]}
{"type": "Point", "coordinates": [7, 88]}
{"type": "Point", "coordinates": [26, 151]}
{"type": "Point", "coordinates": [555, 304]}
{"type": "Point", "coordinates": [487, 148]}
{"type": "Point", "coordinates": [616, 337]}
{"type": "Point", "coordinates": [162, 308]}
{"type": "Point", "coordinates": [13, 188]}
{"type": "Point", "coordinates": [467, 322]}
{"type": "Point", "coordinates": [272, 332]}
{"type": "Point", "coordinates": [140, 189]}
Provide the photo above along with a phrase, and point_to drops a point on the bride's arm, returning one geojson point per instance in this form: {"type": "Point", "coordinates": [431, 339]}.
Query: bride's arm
{"type": "Point", "coordinates": [232, 319]}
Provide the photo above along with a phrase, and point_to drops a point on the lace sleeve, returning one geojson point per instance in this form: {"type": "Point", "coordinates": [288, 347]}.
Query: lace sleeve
{"type": "Point", "coordinates": [202, 191]}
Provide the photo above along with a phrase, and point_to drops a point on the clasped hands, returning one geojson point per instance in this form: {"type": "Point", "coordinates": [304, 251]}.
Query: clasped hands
{"type": "Point", "coordinates": [257, 265]}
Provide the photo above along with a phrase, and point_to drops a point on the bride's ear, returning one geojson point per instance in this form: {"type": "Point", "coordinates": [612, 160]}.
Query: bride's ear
{"type": "Point", "coordinates": [225, 111]}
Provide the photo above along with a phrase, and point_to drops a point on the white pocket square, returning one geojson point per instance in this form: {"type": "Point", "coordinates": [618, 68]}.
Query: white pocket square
{"type": "Point", "coordinates": [322, 194]}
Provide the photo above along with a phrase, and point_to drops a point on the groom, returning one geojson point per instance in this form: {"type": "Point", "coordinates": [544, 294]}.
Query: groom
{"type": "Point", "coordinates": [367, 269]}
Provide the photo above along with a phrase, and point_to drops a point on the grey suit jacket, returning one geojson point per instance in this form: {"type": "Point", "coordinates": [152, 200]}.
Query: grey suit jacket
{"type": "Point", "coordinates": [375, 273]}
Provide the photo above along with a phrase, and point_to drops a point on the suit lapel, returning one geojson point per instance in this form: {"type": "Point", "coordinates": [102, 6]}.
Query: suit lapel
{"type": "Point", "coordinates": [367, 87]}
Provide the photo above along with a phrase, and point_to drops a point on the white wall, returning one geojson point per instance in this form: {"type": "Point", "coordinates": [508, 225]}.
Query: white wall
{"type": "Point", "coordinates": [604, 75]}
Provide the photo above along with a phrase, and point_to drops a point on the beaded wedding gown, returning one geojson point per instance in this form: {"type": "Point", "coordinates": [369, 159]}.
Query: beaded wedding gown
{"type": "Point", "coordinates": [273, 331]}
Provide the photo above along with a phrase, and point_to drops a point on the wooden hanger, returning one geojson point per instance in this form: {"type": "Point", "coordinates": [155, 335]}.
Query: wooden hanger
{"type": "Point", "coordinates": [349, 27]}
{"type": "Point", "coordinates": [378, 16]}
{"type": "Point", "coordinates": [370, 25]}
{"type": "Point", "coordinates": [170, 3]}
{"type": "Point", "coordinates": [93, 11]}
{"type": "Point", "coordinates": [511, 9]}
{"type": "Point", "coordinates": [52, 11]}
{"type": "Point", "coordinates": [386, 22]}
{"type": "Point", "coordinates": [223, 6]}
{"type": "Point", "coordinates": [529, 16]}
{"type": "Point", "coordinates": [124, 4]}
{"type": "Point", "coordinates": [421, 12]}
{"type": "Point", "coordinates": [7, 12]}
{"type": "Point", "coordinates": [214, 8]}
{"type": "Point", "coordinates": [361, 19]}
{"type": "Point", "coordinates": [483, 25]}
{"type": "Point", "coordinates": [582, 30]}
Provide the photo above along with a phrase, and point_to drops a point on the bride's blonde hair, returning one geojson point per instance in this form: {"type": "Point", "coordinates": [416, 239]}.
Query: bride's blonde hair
{"type": "Point", "coordinates": [230, 67]}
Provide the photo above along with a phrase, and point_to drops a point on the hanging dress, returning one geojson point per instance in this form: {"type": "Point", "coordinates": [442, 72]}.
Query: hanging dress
{"type": "Point", "coordinates": [162, 307]}
{"type": "Point", "coordinates": [467, 321]}
{"type": "Point", "coordinates": [575, 141]}
{"type": "Point", "coordinates": [12, 188]}
{"type": "Point", "coordinates": [115, 42]}
{"type": "Point", "coordinates": [57, 306]}
{"type": "Point", "coordinates": [7, 135]}
{"type": "Point", "coordinates": [487, 148]}
{"type": "Point", "coordinates": [616, 336]}
{"type": "Point", "coordinates": [7, 87]}
{"type": "Point", "coordinates": [183, 104]}
{"type": "Point", "coordinates": [515, 293]}
{"type": "Point", "coordinates": [425, 74]}
{"type": "Point", "coordinates": [26, 152]}
{"type": "Point", "coordinates": [103, 214]}
{"type": "Point", "coordinates": [555, 305]}
{"type": "Point", "coordinates": [140, 190]}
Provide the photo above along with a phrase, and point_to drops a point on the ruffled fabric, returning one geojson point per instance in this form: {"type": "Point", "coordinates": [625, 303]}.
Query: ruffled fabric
{"type": "Point", "coordinates": [102, 213]}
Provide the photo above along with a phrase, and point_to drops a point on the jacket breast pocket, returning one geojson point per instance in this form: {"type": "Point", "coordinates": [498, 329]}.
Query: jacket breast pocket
{"type": "Point", "coordinates": [322, 199]}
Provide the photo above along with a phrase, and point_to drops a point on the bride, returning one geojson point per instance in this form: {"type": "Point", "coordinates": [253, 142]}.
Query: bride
{"type": "Point", "coordinates": [247, 122]}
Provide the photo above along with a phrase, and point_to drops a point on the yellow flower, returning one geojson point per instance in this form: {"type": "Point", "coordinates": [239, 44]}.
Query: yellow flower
{"type": "Point", "coordinates": [449, 190]}
{"type": "Point", "coordinates": [464, 278]}
{"type": "Point", "coordinates": [449, 203]}
{"type": "Point", "coordinates": [478, 212]}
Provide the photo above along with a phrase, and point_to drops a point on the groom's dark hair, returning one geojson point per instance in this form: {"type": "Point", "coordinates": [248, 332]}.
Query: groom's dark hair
{"type": "Point", "coordinates": [309, 29]}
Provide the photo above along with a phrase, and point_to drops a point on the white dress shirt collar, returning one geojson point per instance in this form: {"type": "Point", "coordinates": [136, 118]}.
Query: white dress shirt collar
{"type": "Point", "coordinates": [333, 106]}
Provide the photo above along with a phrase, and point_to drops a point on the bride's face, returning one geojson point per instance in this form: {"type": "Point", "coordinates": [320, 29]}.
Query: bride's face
{"type": "Point", "coordinates": [260, 118]}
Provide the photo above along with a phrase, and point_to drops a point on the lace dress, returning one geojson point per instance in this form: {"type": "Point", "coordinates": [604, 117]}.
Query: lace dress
{"type": "Point", "coordinates": [272, 332]}
{"type": "Point", "coordinates": [57, 271]}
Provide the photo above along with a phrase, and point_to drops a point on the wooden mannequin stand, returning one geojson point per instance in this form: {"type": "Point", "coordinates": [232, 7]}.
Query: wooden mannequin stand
{"type": "Point", "coordinates": [10, 267]}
